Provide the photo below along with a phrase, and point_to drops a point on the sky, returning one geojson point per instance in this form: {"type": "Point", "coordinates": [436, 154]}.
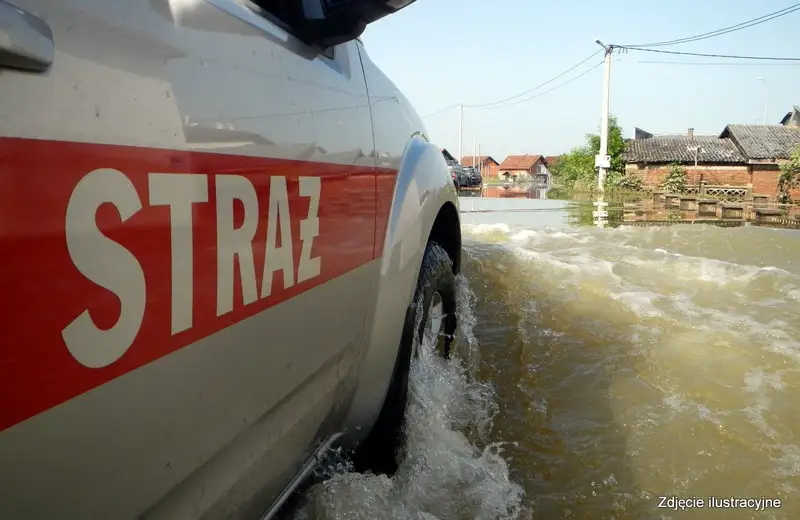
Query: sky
{"type": "Point", "coordinates": [445, 52]}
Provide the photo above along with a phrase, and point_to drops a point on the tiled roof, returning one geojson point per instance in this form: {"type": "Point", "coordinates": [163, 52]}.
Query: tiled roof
{"type": "Point", "coordinates": [764, 141]}
{"type": "Point", "coordinates": [467, 160]}
{"type": "Point", "coordinates": [677, 148]}
{"type": "Point", "coordinates": [552, 159]}
{"type": "Point", "coordinates": [519, 162]}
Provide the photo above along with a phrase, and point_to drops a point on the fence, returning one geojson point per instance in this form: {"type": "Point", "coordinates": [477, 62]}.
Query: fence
{"type": "Point", "coordinates": [721, 192]}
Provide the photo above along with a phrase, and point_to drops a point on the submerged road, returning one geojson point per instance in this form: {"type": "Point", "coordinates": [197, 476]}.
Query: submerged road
{"type": "Point", "coordinates": [600, 370]}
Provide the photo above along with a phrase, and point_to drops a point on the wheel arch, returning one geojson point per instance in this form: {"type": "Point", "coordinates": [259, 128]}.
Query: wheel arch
{"type": "Point", "coordinates": [424, 207]}
{"type": "Point", "coordinates": [446, 231]}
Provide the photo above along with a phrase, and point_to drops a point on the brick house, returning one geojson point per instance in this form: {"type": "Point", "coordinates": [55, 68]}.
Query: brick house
{"type": "Point", "coordinates": [525, 167]}
{"type": "Point", "coordinates": [486, 163]}
{"type": "Point", "coordinates": [765, 147]}
{"type": "Point", "coordinates": [741, 155]}
{"type": "Point", "coordinates": [719, 161]}
{"type": "Point", "coordinates": [551, 160]}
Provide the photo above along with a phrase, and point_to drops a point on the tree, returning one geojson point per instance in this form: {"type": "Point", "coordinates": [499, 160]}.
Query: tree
{"type": "Point", "coordinates": [578, 165]}
{"type": "Point", "coordinates": [616, 145]}
{"type": "Point", "coordinates": [790, 177]}
{"type": "Point", "coordinates": [620, 181]}
{"type": "Point", "coordinates": [675, 181]}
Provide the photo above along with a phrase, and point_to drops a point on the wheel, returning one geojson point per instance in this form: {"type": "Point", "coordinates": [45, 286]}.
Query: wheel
{"type": "Point", "coordinates": [432, 313]}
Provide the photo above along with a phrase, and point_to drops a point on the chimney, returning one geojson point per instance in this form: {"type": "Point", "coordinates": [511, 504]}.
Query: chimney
{"type": "Point", "coordinates": [691, 133]}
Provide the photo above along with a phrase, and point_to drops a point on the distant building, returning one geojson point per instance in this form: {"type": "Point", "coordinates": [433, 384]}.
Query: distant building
{"type": "Point", "coordinates": [551, 160]}
{"type": "Point", "coordinates": [792, 118]}
{"type": "Point", "coordinates": [740, 155]}
{"type": "Point", "coordinates": [527, 168]}
{"type": "Point", "coordinates": [486, 163]}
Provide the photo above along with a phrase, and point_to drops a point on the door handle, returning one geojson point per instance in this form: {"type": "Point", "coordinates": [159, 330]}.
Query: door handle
{"type": "Point", "coordinates": [26, 41]}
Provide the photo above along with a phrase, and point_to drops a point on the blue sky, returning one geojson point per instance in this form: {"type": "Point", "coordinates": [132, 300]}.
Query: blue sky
{"type": "Point", "coordinates": [443, 52]}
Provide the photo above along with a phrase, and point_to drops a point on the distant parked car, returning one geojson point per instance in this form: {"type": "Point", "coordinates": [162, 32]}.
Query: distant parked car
{"type": "Point", "coordinates": [458, 174]}
{"type": "Point", "coordinates": [474, 176]}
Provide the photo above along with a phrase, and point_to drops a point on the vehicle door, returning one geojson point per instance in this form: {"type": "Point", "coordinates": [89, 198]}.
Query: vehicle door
{"type": "Point", "coordinates": [187, 228]}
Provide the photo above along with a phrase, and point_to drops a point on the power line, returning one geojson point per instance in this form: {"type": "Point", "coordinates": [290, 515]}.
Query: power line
{"type": "Point", "coordinates": [587, 71]}
{"type": "Point", "coordinates": [725, 30]}
{"type": "Point", "coordinates": [718, 63]}
{"type": "Point", "coordinates": [537, 87]}
{"type": "Point", "coordinates": [439, 111]}
{"type": "Point", "coordinates": [729, 56]}
{"type": "Point", "coordinates": [504, 100]}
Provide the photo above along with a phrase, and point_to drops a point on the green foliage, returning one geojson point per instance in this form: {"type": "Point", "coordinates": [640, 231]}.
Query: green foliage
{"type": "Point", "coordinates": [675, 181]}
{"type": "Point", "coordinates": [618, 181]}
{"type": "Point", "coordinates": [577, 167]}
{"type": "Point", "coordinates": [578, 164]}
{"type": "Point", "coordinates": [616, 145]}
{"type": "Point", "coordinates": [790, 177]}
{"type": "Point", "coordinates": [558, 193]}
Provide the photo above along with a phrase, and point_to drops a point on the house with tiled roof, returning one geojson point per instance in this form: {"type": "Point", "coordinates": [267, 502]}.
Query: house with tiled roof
{"type": "Point", "coordinates": [763, 143]}
{"type": "Point", "coordinates": [551, 160]}
{"type": "Point", "coordinates": [741, 155]}
{"type": "Point", "coordinates": [792, 118]}
{"type": "Point", "coordinates": [683, 149]}
{"type": "Point", "coordinates": [525, 167]}
{"type": "Point", "coordinates": [486, 163]}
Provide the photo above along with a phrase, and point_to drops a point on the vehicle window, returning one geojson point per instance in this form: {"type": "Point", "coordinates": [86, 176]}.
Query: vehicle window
{"type": "Point", "coordinates": [286, 14]}
{"type": "Point", "coordinates": [286, 11]}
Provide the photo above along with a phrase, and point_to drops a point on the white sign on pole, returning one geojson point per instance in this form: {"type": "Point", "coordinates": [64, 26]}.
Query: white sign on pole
{"type": "Point", "coordinates": [602, 161]}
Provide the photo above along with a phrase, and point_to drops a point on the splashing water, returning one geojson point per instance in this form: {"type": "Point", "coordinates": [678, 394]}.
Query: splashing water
{"type": "Point", "coordinates": [450, 470]}
{"type": "Point", "coordinates": [640, 362]}
{"type": "Point", "coordinates": [629, 364]}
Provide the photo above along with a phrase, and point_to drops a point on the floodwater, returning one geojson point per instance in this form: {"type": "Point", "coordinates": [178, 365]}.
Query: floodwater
{"type": "Point", "coordinates": [599, 370]}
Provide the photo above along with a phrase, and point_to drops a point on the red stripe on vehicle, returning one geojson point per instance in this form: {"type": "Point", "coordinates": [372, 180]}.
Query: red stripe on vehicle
{"type": "Point", "coordinates": [90, 300]}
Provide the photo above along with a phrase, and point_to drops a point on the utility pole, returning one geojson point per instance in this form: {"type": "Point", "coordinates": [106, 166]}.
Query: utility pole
{"type": "Point", "coordinates": [697, 151]}
{"type": "Point", "coordinates": [474, 149]}
{"type": "Point", "coordinates": [460, 131]}
{"type": "Point", "coordinates": [603, 161]}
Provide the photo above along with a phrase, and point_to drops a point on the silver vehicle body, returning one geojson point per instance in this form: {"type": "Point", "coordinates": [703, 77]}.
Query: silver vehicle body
{"type": "Point", "coordinates": [164, 168]}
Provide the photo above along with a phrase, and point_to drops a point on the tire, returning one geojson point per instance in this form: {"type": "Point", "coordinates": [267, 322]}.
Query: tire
{"type": "Point", "coordinates": [383, 446]}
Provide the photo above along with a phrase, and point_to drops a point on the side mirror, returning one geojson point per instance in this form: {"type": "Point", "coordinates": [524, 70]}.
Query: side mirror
{"type": "Point", "coordinates": [331, 22]}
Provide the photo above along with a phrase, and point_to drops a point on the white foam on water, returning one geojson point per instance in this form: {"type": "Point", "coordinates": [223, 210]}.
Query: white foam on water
{"type": "Point", "coordinates": [788, 462]}
{"type": "Point", "coordinates": [787, 348]}
{"type": "Point", "coordinates": [525, 234]}
{"type": "Point", "coordinates": [481, 229]}
{"type": "Point", "coordinates": [546, 258]}
{"type": "Point", "coordinates": [642, 303]}
{"type": "Point", "coordinates": [443, 475]}
{"type": "Point", "coordinates": [717, 334]}
{"type": "Point", "coordinates": [757, 380]}
{"type": "Point", "coordinates": [468, 346]}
